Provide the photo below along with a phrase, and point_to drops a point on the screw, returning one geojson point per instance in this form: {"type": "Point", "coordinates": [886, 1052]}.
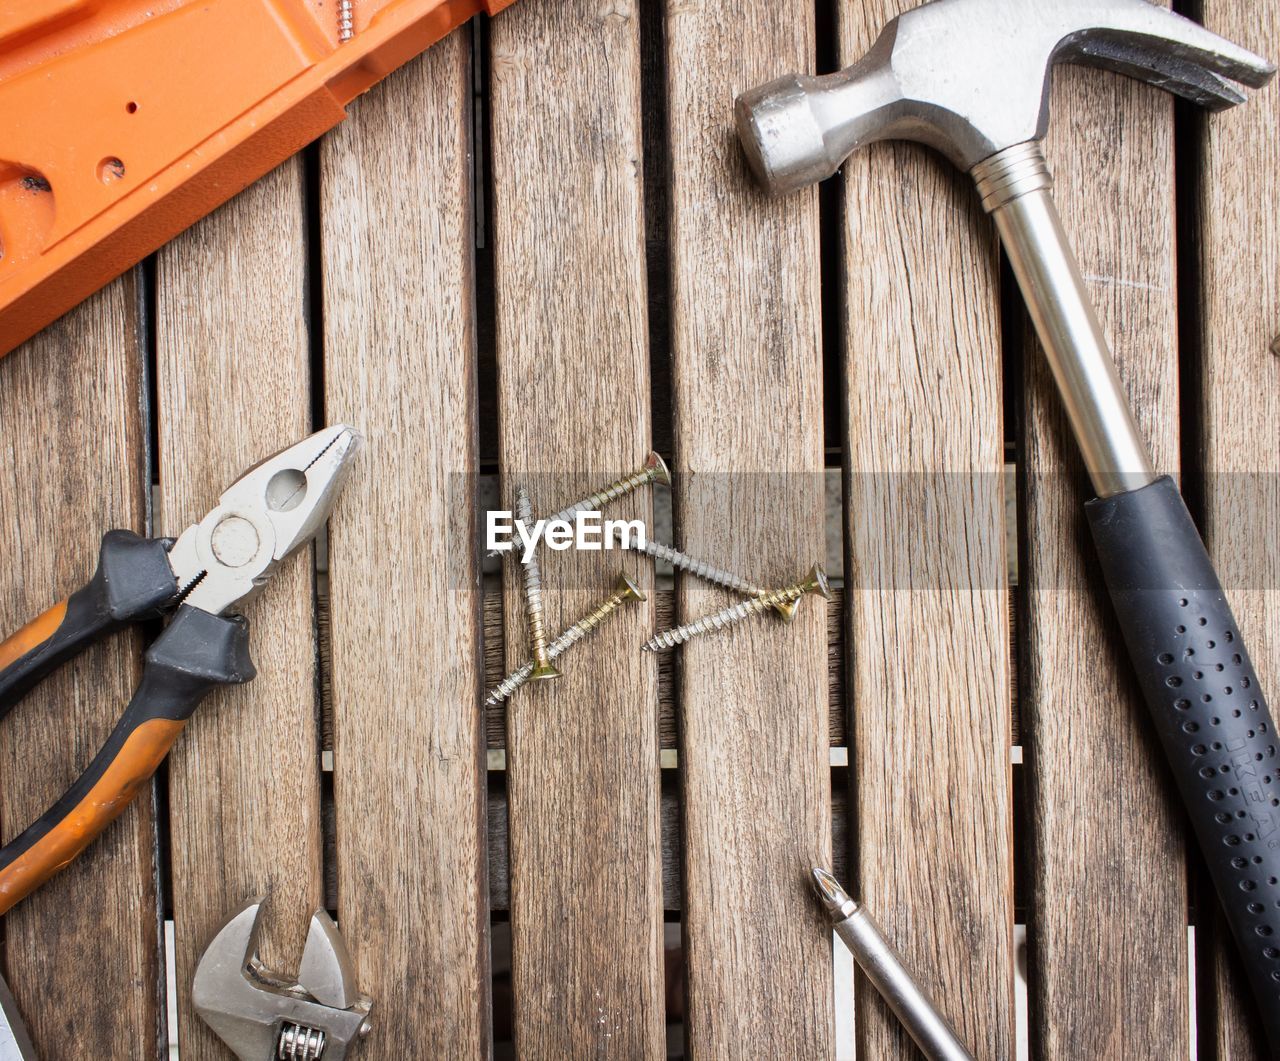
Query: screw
{"type": "Point", "coordinates": [703, 570]}
{"type": "Point", "coordinates": [815, 583]}
{"type": "Point", "coordinates": [345, 20]}
{"type": "Point", "coordinates": [653, 470]}
{"type": "Point", "coordinates": [533, 599]}
{"type": "Point", "coordinates": [625, 591]}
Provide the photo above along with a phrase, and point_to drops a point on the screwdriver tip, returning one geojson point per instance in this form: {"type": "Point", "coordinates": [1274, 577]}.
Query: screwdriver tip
{"type": "Point", "coordinates": [836, 900]}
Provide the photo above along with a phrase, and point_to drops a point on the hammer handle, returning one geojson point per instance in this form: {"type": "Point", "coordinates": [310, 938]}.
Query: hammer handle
{"type": "Point", "coordinates": [1208, 708]}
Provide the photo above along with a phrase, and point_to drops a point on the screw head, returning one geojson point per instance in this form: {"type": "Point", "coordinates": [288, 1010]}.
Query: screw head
{"type": "Point", "coordinates": [655, 465]}
{"type": "Point", "coordinates": [786, 611]}
{"type": "Point", "coordinates": [544, 672]}
{"type": "Point", "coordinates": [818, 582]}
{"type": "Point", "coordinates": [628, 590]}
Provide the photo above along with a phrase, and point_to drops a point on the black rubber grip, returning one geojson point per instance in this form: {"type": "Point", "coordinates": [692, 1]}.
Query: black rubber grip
{"type": "Point", "coordinates": [196, 653]}
{"type": "Point", "coordinates": [1208, 708]}
{"type": "Point", "coordinates": [133, 581]}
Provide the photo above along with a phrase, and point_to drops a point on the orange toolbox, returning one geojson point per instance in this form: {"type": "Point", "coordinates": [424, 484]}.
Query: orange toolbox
{"type": "Point", "coordinates": [124, 121]}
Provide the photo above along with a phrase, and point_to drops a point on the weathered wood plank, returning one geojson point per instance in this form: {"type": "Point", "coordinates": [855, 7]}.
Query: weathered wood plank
{"type": "Point", "coordinates": [1239, 373]}
{"type": "Point", "coordinates": [926, 576]}
{"type": "Point", "coordinates": [586, 903]}
{"type": "Point", "coordinates": [409, 764]}
{"type": "Point", "coordinates": [233, 383]}
{"type": "Point", "coordinates": [72, 467]}
{"type": "Point", "coordinates": [1106, 828]}
{"type": "Point", "coordinates": [747, 428]}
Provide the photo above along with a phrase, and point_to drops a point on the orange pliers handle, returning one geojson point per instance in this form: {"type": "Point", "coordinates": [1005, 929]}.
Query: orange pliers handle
{"type": "Point", "coordinates": [196, 653]}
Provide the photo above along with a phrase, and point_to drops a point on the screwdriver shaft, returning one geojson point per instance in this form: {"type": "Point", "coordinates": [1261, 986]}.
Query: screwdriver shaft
{"type": "Point", "coordinates": [884, 967]}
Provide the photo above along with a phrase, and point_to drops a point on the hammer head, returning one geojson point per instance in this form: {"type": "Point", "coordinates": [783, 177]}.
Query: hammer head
{"type": "Point", "coordinates": [971, 78]}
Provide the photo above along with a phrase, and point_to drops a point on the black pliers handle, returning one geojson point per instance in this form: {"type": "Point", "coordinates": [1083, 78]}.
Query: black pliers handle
{"type": "Point", "coordinates": [195, 654]}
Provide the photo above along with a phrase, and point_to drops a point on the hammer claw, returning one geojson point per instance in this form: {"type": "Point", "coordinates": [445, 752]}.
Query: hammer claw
{"type": "Point", "coordinates": [1168, 72]}
{"type": "Point", "coordinates": [1155, 44]}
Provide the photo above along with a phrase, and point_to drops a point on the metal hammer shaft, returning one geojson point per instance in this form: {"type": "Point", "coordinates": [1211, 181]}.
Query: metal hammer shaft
{"type": "Point", "coordinates": [1016, 189]}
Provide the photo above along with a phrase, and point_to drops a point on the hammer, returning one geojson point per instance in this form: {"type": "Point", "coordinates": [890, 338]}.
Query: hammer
{"type": "Point", "coordinates": [970, 78]}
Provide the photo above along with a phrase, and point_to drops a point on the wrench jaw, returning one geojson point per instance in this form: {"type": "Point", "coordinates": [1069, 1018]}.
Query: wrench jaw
{"type": "Point", "coordinates": [250, 1009]}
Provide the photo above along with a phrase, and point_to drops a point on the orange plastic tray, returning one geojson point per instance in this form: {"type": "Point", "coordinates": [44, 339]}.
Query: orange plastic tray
{"type": "Point", "coordinates": [124, 121]}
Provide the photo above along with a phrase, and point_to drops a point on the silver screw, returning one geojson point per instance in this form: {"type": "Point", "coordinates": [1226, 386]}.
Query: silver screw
{"type": "Point", "coordinates": [533, 598]}
{"type": "Point", "coordinates": [705, 571]}
{"type": "Point", "coordinates": [345, 21]}
{"type": "Point", "coordinates": [815, 583]}
{"type": "Point", "coordinates": [653, 470]}
{"type": "Point", "coordinates": [626, 590]}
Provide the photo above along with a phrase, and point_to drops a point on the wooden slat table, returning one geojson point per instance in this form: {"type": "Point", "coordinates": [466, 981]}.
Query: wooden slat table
{"type": "Point", "coordinates": [528, 258]}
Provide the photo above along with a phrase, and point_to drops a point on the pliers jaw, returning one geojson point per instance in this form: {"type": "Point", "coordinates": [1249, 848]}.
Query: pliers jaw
{"type": "Point", "coordinates": [271, 510]}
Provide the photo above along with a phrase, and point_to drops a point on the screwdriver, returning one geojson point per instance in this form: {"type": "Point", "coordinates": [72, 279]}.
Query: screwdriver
{"type": "Point", "coordinates": [884, 967]}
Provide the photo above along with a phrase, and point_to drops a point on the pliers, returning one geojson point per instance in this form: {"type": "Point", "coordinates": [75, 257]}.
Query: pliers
{"type": "Point", "coordinates": [213, 566]}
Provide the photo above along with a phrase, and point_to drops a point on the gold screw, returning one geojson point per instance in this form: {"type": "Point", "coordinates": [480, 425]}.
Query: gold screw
{"type": "Point", "coordinates": [815, 583]}
{"type": "Point", "coordinates": [533, 599]}
{"type": "Point", "coordinates": [705, 571]}
{"type": "Point", "coordinates": [626, 590]}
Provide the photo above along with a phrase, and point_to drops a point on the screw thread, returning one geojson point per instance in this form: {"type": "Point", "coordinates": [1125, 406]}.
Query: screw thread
{"type": "Point", "coordinates": [533, 590]}
{"type": "Point", "coordinates": [616, 489]}
{"type": "Point", "coordinates": [566, 640]}
{"type": "Point", "coordinates": [586, 624]}
{"type": "Point", "coordinates": [702, 569]}
{"type": "Point", "coordinates": [346, 27]}
{"type": "Point", "coordinates": [726, 617]}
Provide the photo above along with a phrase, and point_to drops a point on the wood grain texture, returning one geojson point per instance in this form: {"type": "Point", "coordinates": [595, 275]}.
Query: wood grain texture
{"type": "Point", "coordinates": [1239, 375]}
{"type": "Point", "coordinates": [573, 379]}
{"type": "Point", "coordinates": [747, 429]}
{"type": "Point", "coordinates": [72, 466]}
{"type": "Point", "coordinates": [926, 589]}
{"type": "Point", "coordinates": [1106, 828]}
{"type": "Point", "coordinates": [233, 382]}
{"type": "Point", "coordinates": [409, 781]}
